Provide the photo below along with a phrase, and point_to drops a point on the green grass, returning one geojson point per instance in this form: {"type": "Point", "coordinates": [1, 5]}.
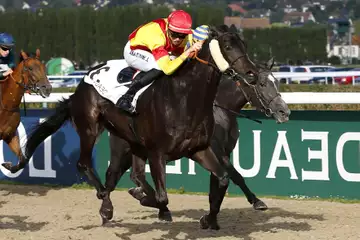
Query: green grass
{"type": "Point", "coordinates": [181, 191]}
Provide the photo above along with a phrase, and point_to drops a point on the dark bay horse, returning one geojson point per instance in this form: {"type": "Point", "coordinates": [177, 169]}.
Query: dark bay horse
{"type": "Point", "coordinates": [176, 117]}
{"type": "Point", "coordinates": [28, 75]}
{"type": "Point", "coordinates": [223, 141]}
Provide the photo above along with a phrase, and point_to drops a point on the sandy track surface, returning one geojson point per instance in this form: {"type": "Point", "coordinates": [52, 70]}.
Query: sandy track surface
{"type": "Point", "coordinates": [34, 212]}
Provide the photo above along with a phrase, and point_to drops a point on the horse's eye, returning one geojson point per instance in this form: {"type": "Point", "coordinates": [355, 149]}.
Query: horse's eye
{"type": "Point", "coordinates": [30, 68]}
{"type": "Point", "coordinates": [227, 47]}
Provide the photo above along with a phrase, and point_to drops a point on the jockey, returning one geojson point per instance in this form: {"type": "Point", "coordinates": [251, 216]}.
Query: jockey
{"type": "Point", "coordinates": [148, 50]}
{"type": "Point", "coordinates": [7, 60]}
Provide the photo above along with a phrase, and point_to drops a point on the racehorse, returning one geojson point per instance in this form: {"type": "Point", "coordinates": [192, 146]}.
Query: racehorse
{"type": "Point", "coordinates": [28, 75]}
{"type": "Point", "coordinates": [229, 101]}
{"type": "Point", "coordinates": [175, 116]}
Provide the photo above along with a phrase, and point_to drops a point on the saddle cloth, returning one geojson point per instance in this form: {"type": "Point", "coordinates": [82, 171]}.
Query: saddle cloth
{"type": "Point", "coordinates": [104, 79]}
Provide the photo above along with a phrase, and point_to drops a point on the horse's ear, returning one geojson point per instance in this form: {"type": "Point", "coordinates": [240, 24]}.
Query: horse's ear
{"type": "Point", "coordinates": [213, 33]}
{"type": "Point", "coordinates": [23, 54]}
{"type": "Point", "coordinates": [270, 63]}
{"type": "Point", "coordinates": [233, 29]}
{"type": "Point", "coordinates": [223, 28]}
{"type": "Point", "coordinates": [37, 53]}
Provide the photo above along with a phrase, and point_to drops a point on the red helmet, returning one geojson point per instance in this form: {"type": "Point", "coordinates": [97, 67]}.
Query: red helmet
{"type": "Point", "coordinates": [180, 22]}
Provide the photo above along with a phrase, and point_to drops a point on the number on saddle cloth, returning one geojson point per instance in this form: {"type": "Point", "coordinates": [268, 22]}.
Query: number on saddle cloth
{"type": "Point", "coordinates": [126, 75]}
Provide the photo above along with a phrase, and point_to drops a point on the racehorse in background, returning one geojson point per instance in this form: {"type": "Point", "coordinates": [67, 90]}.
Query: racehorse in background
{"type": "Point", "coordinates": [175, 117]}
{"type": "Point", "coordinates": [28, 75]}
{"type": "Point", "coordinates": [229, 101]}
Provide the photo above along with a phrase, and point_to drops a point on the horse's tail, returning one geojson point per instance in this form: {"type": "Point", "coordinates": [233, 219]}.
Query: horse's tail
{"type": "Point", "coordinates": [41, 132]}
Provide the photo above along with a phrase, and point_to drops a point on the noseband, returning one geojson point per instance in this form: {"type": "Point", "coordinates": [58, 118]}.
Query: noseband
{"type": "Point", "coordinates": [265, 107]}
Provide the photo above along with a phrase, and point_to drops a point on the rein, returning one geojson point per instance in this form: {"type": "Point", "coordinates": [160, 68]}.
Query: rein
{"type": "Point", "coordinates": [204, 62]}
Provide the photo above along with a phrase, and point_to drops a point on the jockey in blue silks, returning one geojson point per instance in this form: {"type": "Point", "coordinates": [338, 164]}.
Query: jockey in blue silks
{"type": "Point", "coordinates": [7, 60]}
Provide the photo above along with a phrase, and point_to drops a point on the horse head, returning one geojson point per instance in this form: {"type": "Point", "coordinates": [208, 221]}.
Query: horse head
{"type": "Point", "coordinates": [33, 74]}
{"type": "Point", "coordinates": [257, 82]}
{"type": "Point", "coordinates": [262, 92]}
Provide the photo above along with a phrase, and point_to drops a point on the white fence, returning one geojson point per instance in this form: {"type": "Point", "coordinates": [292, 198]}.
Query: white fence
{"type": "Point", "coordinates": [303, 76]}
{"type": "Point", "coordinates": [276, 74]}
{"type": "Point", "coordinates": [306, 76]}
{"type": "Point", "coordinates": [289, 98]}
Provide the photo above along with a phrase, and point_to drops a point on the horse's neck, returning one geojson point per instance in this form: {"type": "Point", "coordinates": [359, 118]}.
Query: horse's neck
{"type": "Point", "coordinates": [202, 80]}
{"type": "Point", "coordinates": [230, 96]}
{"type": "Point", "coordinates": [11, 92]}
{"type": "Point", "coordinates": [198, 89]}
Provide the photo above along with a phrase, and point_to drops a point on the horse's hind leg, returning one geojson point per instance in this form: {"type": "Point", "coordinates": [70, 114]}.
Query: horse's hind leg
{"type": "Point", "coordinates": [88, 132]}
{"type": "Point", "coordinates": [120, 162]}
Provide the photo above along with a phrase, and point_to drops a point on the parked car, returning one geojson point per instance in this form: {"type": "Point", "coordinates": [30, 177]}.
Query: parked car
{"type": "Point", "coordinates": [286, 68]}
{"type": "Point", "coordinates": [329, 80]}
{"type": "Point", "coordinates": [309, 68]}
{"type": "Point", "coordinates": [344, 80]}
{"type": "Point", "coordinates": [357, 81]}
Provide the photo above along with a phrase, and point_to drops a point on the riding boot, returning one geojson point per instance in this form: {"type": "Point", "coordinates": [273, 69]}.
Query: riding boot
{"type": "Point", "coordinates": [140, 81]}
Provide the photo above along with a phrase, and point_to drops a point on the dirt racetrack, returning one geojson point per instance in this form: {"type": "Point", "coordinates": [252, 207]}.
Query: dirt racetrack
{"type": "Point", "coordinates": [34, 212]}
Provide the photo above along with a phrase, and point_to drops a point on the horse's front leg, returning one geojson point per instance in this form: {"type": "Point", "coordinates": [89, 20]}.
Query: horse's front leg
{"type": "Point", "coordinates": [157, 164]}
{"type": "Point", "coordinates": [148, 199]}
{"type": "Point", "coordinates": [218, 185]}
{"type": "Point", "coordinates": [14, 143]}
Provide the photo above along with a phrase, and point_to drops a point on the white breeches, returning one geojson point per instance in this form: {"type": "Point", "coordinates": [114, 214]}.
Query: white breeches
{"type": "Point", "coordinates": [139, 59]}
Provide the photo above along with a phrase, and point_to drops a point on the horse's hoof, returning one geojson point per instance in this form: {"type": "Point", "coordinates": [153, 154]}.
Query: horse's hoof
{"type": "Point", "coordinates": [106, 211]}
{"type": "Point", "coordinates": [206, 222]}
{"type": "Point", "coordinates": [165, 216]}
{"type": "Point", "coordinates": [105, 221]}
{"type": "Point", "coordinates": [10, 167]}
{"type": "Point", "coordinates": [260, 205]}
{"type": "Point", "coordinates": [137, 193]}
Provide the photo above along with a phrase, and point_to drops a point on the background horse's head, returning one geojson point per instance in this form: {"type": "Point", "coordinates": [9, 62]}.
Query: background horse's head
{"type": "Point", "coordinates": [257, 82]}
{"type": "Point", "coordinates": [263, 93]}
{"type": "Point", "coordinates": [33, 74]}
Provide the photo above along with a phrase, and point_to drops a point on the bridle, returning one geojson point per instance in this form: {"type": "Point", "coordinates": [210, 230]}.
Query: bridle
{"type": "Point", "coordinates": [26, 82]}
{"type": "Point", "coordinates": [237, 77]}
{"type": "Point", "coordinates": [265, 105]}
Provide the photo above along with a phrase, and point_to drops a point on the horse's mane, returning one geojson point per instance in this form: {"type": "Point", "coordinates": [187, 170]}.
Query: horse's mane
{"type": "Point", "coordinates": [224, 28]}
